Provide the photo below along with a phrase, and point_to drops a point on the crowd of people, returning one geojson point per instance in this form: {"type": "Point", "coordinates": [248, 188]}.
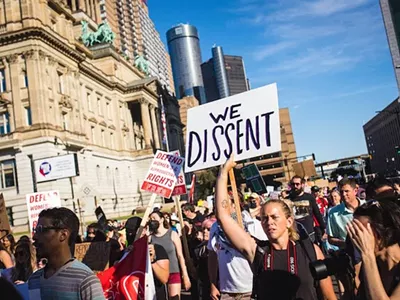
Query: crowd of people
{"type": "Point", "coordinates": [265, 256]}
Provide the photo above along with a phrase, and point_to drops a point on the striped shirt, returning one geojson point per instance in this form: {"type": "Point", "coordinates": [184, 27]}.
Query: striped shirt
{"type": "Point", "coordinates": [73, 281]}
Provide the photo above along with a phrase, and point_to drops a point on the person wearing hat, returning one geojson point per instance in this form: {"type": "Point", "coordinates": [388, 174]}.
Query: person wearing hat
{"type": "Point", "coordinates": [254, 205]}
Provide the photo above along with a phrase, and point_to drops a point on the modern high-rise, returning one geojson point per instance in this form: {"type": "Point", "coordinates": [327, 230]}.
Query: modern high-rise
{"type": "Point", "coordinates": [184, 49]}
{"type": "Point", "coordinates": [223, 75]}
{"type": "Point", "coordinates": [137, 35]}
{"type": "Point", "coordinates": [391, 17]}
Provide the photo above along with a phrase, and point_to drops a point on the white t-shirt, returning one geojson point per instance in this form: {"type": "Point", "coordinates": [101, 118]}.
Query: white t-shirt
{"type": "Point", "coordinates": [254, 226]}
{"type": "Point", "coordinates": [235, 275]}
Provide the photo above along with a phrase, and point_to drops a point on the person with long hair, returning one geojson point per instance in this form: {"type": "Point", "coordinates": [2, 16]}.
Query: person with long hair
{"type": "Point", "coordinates": [5, 258]}
{"type": "Point", "coordinates": [375, 231]}
{"type": "Point", "coordinates": [9, 243]}
{"type": "Point", "coordinates": [164, 236]}
{"type": "Point", "coordinates": [281, 264]}
{"type": "Point", "coordinates": [25, 262]}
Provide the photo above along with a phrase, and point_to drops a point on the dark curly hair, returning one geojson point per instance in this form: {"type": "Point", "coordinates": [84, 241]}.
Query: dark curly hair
{"type": "Point", "coordinates": [384, 217]}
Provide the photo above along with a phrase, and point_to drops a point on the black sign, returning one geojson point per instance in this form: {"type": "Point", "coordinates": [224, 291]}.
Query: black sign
{"type": "Point", "coordinates": [254, 179]}
{"type": "Point", "coordinates": [101, 218]}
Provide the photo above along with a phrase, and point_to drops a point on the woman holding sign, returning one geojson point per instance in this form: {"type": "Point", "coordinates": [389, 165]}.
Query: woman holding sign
{"type": "Point", "coordinates": [281, 264]}
{"type": "Point", "coordinates": [164, 236]}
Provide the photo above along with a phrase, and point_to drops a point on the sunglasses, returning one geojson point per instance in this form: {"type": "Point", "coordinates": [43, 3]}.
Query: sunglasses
{"type": "Point", "coordinates": [296, 183]}
{"type": "Point", "coordinates": [42, 229]}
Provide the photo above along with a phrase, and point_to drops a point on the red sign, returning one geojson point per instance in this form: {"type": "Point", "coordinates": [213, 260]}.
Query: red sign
{"type": "Point", "coordinates": [163, 173]}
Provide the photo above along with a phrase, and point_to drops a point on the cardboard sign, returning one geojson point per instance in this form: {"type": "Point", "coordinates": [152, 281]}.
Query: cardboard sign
{"type": "Point", "coordinates": [246, 125]}
{"type": "Point", "coordinates": [4, 222]}
{"type": "Point", "coordinates": [162, 175]}
{"type": "Point", "coordinates": [180, 186]}
{"type": "Point", "coordinates": [305, 168]}
{"type": "Point", "coordinates": [37, 202]}
{"type": "Point", "coordinates": [95, 255]}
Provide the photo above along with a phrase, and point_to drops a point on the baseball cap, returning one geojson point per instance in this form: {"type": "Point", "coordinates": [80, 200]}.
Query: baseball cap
{"type": "Point", "coordinates": [315, 189]}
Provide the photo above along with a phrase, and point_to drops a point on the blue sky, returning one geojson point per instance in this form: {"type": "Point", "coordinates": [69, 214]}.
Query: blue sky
{"type": "Point", "coordinates": [330, 59]}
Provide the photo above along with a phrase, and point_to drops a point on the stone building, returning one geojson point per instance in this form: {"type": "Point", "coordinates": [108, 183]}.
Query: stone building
{"type": "Point", "coordinates": [59, 96]}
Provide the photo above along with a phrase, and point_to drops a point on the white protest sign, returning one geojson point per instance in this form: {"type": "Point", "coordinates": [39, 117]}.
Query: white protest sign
{"type": "Point", "coordinates": [180, 186]}
{"type": "Point", "coordinates": [246, 125]}
{"type": "Point", "coordinates": [37, 202]}
{"type": "Point", "coordinates": [163, 174]}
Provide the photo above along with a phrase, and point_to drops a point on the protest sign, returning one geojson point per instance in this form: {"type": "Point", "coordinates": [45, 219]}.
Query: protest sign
{"type": "Point", "coordinates": [37, 202]}
{"type": "Point", "coordinates": [180, 186]}
{"type": "Point", "coordinates": [254, 179]}
{"type": "Point", "coordinates": [163, 173]}
{"type": "Point", "coordinates": [4, 222]}
{"type": "Point", "coordinates": [95, 255]}
{"type": "Point", "coordinates": [246, 125]}
{"type": "Point", "coordinates": [101, 218]}
{"type": "Point", "coordinates": [305, 168]}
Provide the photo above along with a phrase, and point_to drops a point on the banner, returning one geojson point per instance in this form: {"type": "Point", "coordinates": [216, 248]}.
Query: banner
{"type": "Point", "coordinates": [37, 202]}
{"type": "Point", "coordinates": [132, 277]}
{"type": "Point", "coordinates": [180, 186]}
{"type": "Point", "coordinates": [246, 125]}
{"type": "Point", "coordinates": [95, 255]}
{"type": "Point", "coordinates": [163, 173]}
{"type": "Point", "coordinates": [4, 222]}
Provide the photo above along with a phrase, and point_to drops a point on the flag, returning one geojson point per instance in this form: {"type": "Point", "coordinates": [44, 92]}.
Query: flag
{"type": "Point", "coordinates": [164, 124]}
{"type": "Point", "coordinates": [132, 277]}
{"type": "Point", "coordinates": [191, 192]}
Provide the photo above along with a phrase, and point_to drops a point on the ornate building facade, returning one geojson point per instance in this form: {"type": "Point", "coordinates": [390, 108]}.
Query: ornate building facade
{"type": "Point", "coordinates": [59, 96]}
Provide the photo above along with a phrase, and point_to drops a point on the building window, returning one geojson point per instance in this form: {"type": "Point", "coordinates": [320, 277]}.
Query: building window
{"type": "Point", "coordinates": [4, 123]}
{"type": "Point", "coordinates": [65, 121]}
{"type": "Point", "coordinates": [8, 174]}
{"type": "Point", "coordinates": [3, 87]}
{"type": "Point", "coordinates": [89, 101]}
{"type": "Point", "coordinates": [25, 79]}
{"type": "Point", "coordinates": [103, 138]}
{"type": "Point", "coordinates": [60, 82]}
{"type": "Point", "coordinates": [93, 134]}
{"type": "Point", "coordinates": [99, 106]}
{"type": "Point", "coordinates": [28, 116]}
{"type": "Point", "coordinates": [108, 110]}
{"type": "Point", "coordinates": [112, 140]}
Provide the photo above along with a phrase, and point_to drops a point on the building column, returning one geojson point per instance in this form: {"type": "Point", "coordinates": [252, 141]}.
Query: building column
{"type": "Point", "coordinates": [15, 73]}
{"type": "Point", "coordinates": [156, 137]}
{"type": "Point", "coordinates": [144, 109]}
{"type": "Point", "coordinates": [37, 96]}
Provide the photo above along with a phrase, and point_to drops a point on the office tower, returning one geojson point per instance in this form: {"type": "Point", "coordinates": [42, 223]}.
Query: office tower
{"type": "Point", "coordinates": [136, 35]}
{"type": "Point", "coordinates": [184, 49]}
{"type": "Point", "coordinates": [391, 17]}
{"type": "Point", "coordinates": [222, 82]}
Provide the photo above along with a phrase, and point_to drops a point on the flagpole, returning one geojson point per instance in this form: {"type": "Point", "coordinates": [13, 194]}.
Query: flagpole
{"type": "Point", "coordinates": [164, 123]}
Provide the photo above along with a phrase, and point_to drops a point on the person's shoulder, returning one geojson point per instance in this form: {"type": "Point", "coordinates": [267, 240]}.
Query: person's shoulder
{"type": "Point", "coordinates": [79, 268]}
{"type": "Point", "coordinates": [336, 209]}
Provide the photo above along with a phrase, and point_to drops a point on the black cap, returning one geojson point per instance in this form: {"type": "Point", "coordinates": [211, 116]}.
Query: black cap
{"type": "Point", "coordinates": [315, 189]}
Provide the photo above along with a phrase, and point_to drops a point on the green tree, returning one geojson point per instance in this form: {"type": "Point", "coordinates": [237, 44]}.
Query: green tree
{"type": "Point", "coordinates": [205, 183]}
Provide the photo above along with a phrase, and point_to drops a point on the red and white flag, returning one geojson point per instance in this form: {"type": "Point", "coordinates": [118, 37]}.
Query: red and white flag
{"type": "Point", "coordinates": [132, 277]}
{"type": "Point", "coordinates": [191, 192]}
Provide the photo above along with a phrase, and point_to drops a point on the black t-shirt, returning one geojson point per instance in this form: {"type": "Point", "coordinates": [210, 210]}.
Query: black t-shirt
{"type": "Point", "coordinates": [161, 292]}
{"type": "Point", "coordinates": [279, 283]}
{"type": "Point", "coordinates": [198, 219]}
{"type": "Point", "coordinates": [305, 208]}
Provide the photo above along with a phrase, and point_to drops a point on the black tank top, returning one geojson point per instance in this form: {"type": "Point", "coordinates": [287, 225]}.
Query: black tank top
{"type": "Point", "coordinates": [281, 278]}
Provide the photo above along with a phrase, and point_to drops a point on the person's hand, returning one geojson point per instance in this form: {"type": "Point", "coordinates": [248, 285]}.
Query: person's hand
{"type": "Point", "coordinates": [362, 237]}
{"type": "Point", "coordinates": [152, 253]}
{"type": "Point", "coordinates": [229, 164]}
{"type": "Point", "coordinates": [19, 282]}
{"type": "Point", "coordinates": [186, 283]}
{"type": "Point", "coordinates": [215, 294]}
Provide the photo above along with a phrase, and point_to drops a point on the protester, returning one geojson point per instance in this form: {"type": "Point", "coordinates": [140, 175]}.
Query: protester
{"type": "Point", "coordinates": [191, 214]}
{"type": "Point", "coordinates": [335, 198]}
{"type": "Point", "coordinates": [375, 231]}
{"type": "Point", "coordinates": [381, 188]}
{"type": "Point", "coordinates": [132, 225]}
{"type": "Point", "coordinates": [116, 248]}
{"type": "Point", "coordinates": [5, 258]}
{"type": "Point", "coordinates": [396, 185]}
{"type": "Point", "coordinates": [25, 262]}
{"type": "Point", "coordinates": [305, 208]}
{"type": "Point", "coordinates": [8, 290]}
{"type": "Point", "coordinates": [91, 231]}
{"type": "Point", "coordinates": [63, 276]}
{"type": "Point", "coordinates": [280, 265]}
{"type": "Point", "coordinates": [340, 215]}
{"type": "Point", "coordinates": [170, 241]}
{"type": "Point", "coordinates": [322, 202]}
{"type": "Point", "coordinates": [230, 273]}
{"type": "Point", "coordinates": [254, 205]}
{"type": "Point", "coordinates": [9, 244]}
